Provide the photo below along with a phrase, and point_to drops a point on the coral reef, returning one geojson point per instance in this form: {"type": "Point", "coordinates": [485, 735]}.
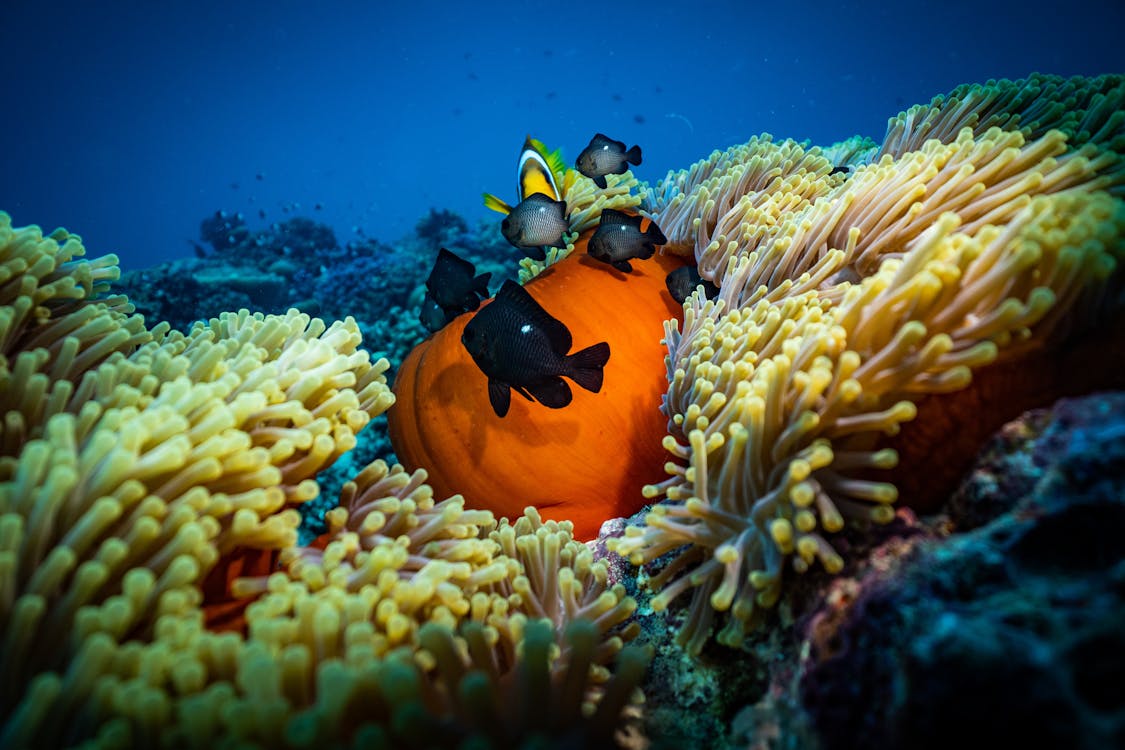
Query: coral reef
{"type": "Point", "coordinates": [1014, 627]}
{"type": "Point", "coordinates": [883, 307]}
{"type": "Point", "coordinates": [996, 620]}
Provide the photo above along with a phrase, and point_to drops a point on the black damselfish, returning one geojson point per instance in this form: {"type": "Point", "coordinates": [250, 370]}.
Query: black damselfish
{"type": "Point", "coordinates": [539, 220]}
{"type": "Point", "coordinates": [606, 156]}
{"type": "Point", "coordinates": [684, 280]}
{"type": "Point", "coordinates": [519, 346]}
{"type": "Point", "coordinates": [619, 238]}
{"type": "Point", "coordinates": [451, 289]}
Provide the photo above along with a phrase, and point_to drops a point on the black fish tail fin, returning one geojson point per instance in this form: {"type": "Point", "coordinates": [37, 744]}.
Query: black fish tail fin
{"type": "Point", "coordinates": [633, 156]}
{"type": "Point", "coordinates": [480, 284]}
{"type": "Point", "coordinates": [654, 235]}
{"type": "Point", "coordinates": [585, 367]}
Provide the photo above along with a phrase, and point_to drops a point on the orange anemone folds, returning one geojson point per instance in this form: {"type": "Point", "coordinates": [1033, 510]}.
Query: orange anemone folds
{"type": "Point", "coordinates": [585, 462]}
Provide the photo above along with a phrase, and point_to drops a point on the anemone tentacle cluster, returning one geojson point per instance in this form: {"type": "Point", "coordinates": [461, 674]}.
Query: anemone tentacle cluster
{"type": "Point", "coordinates": [135, 462]}
{"type": "Point", "coordinates": [844, 301]}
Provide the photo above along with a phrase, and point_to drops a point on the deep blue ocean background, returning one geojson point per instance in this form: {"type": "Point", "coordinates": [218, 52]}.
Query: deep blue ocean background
{"type": "Point", "coordinates": [128, 123]}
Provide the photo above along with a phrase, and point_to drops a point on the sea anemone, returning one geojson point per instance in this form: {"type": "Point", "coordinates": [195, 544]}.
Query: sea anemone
{"type": "Point", "coordinates": [842, 307]}
{"type": "Point", "coordinates": [584, 463]}
{"type": "Point", "coordinates": [137, 461]}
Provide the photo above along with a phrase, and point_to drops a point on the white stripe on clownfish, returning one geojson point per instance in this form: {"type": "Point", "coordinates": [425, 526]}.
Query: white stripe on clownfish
{"type": "Point", "coordinates": [539, 171]}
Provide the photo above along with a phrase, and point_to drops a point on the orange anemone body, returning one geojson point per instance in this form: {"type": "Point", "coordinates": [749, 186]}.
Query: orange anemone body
{"type": "Point", "coordinates": [585, 462]}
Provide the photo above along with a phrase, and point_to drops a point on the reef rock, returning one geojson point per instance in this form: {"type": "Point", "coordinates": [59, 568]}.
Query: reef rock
{"type": "Point", "coordinates": [996, 622]}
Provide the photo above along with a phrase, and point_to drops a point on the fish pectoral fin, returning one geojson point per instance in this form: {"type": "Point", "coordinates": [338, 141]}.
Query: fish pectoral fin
{"type": "Point", "coordinates": [552, 392]}
{"type": "Point", "coordinates": [491, 201]}
{"type": "Point", "coordinates": [622, 265]}
{"type": "Point", "coordinates": [585, 367]}
{"type": "Point", "coordinates": [500, 396]}
{"type": "Point", "coordinates": [600, 182]}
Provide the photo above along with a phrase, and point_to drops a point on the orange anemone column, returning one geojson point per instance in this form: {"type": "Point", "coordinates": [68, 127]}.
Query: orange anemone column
{"type": "Point", "coordinates": [586, 462]}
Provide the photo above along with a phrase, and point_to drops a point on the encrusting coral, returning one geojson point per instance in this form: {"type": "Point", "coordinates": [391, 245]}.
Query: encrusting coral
{"type": "Point", "coordinates": [843, 304]}
{"type": "Point", "coordinates": [136, 463]}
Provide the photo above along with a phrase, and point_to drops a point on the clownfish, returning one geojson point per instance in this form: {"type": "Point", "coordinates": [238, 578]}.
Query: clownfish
{"type": "Point", "coordinates": [539, 171]}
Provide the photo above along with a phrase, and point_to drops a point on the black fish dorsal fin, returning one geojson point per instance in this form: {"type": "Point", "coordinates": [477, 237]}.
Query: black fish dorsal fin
{"type": "Point", "coordinates": [654, 235]}
{"type": "Point", "coordinates": [447, 263]}
{"type": "Point", "coordinates": [480, 284]}
{"type": "Point", "coordinates": [611, 216]}
{"type": "Point", "coordinates": [518, 298]}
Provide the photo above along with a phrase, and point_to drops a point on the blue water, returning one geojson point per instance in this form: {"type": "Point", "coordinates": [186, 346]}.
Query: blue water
{"type": "Point", "coordinates": [130, 122]}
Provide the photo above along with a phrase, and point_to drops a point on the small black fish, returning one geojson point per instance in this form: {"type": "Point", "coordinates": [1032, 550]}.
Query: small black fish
{"type": "Point", "coordinates": [606, 156]}
{"type": "Point", "coordinates": [451, 289]}
{"type": "Point", "coordinates": [518, 345]}
{"type": "Point", "coordinates": [619, 238]}
{"type": "Point", "coordinates": [536, 222]}
{"type": "Point", "coordinates": [684, 280]}
{"type": "Point", "coordinates": [841, 169]}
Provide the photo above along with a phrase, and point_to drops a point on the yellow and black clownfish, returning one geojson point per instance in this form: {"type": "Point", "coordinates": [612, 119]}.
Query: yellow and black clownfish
{"type": "Point", "coordinates": [540, 171]}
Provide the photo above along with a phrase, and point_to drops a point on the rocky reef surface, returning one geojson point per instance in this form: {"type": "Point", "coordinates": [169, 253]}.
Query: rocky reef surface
{"type": "Point", "coordinates": [995, 622]}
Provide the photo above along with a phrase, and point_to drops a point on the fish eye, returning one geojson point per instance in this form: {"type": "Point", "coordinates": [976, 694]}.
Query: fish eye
{"type": "Point", "coordinates": [505, 223]}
